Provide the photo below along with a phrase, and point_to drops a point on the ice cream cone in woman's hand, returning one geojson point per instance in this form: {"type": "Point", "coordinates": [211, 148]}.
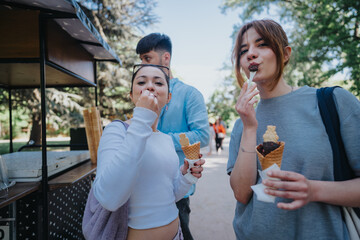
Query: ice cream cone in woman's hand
{"type": "Point", "coordinates": [191, 151]}
{"type": "Point", "coordinates": [192, 154]}
{"type": "Point", "coordinates": [271, 150]}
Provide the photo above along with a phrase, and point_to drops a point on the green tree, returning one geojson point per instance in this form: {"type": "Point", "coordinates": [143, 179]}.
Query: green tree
{"type": "Point", "coordinates": [63, 110]}
{"type": "Point", "coordinates": [20, 117]}
{"type": "Point", "coordinates": [222, 101]}
{"type": "Point", "coordinates": [325, 37]}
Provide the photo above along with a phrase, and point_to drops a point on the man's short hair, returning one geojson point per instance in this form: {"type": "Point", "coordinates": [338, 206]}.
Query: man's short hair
{"type": "Point", "coordinates": [154, 41]}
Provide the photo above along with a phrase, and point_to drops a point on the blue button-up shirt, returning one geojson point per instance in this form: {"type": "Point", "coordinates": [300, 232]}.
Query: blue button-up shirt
{"type": "Point", "coordinates": [185, 113]}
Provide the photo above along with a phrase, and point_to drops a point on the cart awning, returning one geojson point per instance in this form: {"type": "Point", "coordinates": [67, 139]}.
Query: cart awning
{"type": "Point", "coordinates": [73, 20]}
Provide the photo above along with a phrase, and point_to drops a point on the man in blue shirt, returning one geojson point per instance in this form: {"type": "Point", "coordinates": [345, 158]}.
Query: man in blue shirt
{"type": "Point", "coordinates": [185, 113]}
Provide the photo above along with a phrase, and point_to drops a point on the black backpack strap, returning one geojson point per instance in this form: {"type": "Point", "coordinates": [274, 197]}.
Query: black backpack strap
{"type": "Point", "coordinates": [330, 117]}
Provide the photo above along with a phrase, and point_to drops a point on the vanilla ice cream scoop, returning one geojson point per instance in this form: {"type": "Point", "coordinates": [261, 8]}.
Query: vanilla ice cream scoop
{"type": "Point", "coordinates": [271, 150]}
{"type": "Point", "coordinates": [270, 135]}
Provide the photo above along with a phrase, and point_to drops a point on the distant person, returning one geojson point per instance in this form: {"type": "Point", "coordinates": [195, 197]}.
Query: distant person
{"type": "Point", "coordinates": [186, 113]}
{"type": "Point", "coordinates": [140, 163]}
{"type": "Point", "coordinates": [212, 138]}
{"type": "Point", "coordinates": [225, 127]}
{"type": "Point", "coordinates": [307, 198]}
{"type": "Point", "coordinates": [222, 122]}
{"type": "Point", "coordinates": [220, 134]}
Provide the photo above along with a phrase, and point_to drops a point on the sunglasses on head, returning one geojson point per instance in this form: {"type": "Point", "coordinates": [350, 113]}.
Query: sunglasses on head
{"type": "Point", "coordinates": [137, 67]}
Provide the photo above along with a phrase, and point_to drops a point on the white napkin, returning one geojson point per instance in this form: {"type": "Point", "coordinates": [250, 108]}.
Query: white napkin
{"type": "Point", "coordinates": [259, 188]}
{"type": "Point", "coordinates": [188, 175]}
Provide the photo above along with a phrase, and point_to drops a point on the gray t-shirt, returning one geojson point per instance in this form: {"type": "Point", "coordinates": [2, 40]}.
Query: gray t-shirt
{"type": "Point", "coordinates": [307, 151]}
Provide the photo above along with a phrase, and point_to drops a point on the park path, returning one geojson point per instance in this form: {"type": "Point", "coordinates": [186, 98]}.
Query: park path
{"type": "Point", "coordinates": [213, 204]}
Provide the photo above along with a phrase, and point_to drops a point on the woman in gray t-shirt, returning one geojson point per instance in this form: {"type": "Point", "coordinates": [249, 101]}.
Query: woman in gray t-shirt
{"type": "Point", "coordinates": [306, 207]}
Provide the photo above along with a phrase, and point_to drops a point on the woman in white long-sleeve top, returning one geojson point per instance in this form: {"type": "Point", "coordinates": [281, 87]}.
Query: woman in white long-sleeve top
{"type": "Point", "coordinates": [140, 164]}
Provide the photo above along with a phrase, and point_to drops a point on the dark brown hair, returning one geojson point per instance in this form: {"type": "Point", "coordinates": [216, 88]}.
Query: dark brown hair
{"type": "Point", "coordinates": [274, 35]}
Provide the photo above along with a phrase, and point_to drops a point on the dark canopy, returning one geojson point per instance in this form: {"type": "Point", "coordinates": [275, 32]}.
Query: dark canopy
{"type": "Point", "coordinates": [79, 26]}
{"type": "Point", "coordinates": [72, 44]}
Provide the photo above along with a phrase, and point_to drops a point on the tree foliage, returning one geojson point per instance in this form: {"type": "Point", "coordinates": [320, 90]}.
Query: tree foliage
{"type": "Point", "coordinates": [325, 37]}
{"type": "Point", "coordinates": [222, 101]}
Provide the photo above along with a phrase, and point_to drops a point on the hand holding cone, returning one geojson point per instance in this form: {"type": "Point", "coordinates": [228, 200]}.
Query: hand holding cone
{"type": "Point", "coordinates": [192, 153]}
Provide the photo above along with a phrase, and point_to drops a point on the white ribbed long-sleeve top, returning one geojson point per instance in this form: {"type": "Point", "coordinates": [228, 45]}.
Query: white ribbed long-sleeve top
{"type": "Point", "coordinates": [140, 165]}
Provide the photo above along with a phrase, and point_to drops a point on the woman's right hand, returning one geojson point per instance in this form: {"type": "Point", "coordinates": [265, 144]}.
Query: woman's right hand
{"type": "Point", "coordinates": [148, 100]}
{"type": "Point", "coordinates": [245, 105]}
{"type": "Point", "coordinates": [196, 171]}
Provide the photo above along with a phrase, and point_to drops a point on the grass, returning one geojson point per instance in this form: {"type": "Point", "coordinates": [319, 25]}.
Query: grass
{"type": "Point", "coordinates": [5, 146]}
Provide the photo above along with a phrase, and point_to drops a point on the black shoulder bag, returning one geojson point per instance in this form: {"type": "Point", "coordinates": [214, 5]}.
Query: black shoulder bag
{"type": "Point", "coordinates": [342, 169]}
{"type": "Point", "coordinates": [99, 223]}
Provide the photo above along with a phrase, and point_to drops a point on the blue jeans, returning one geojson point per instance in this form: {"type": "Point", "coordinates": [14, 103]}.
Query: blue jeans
{"type": "Point", "coordinates": [184, 215]}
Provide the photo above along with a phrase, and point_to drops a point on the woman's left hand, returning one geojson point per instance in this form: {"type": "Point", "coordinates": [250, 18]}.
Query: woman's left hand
{"type": "Point", "coordinates": [291, 185]}
{"type": "Point", "coordinates": [196, 170]}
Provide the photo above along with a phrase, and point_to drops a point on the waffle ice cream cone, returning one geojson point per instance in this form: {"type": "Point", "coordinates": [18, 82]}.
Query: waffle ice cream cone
{"type": "Point", "coordinates": [271, 151]}
{"type": "Point", "coordinates": [192, 155]}
{"type": "Point", "coordinates": [191, 151]}
{"type": "Point", "coordinates": [269, 159]}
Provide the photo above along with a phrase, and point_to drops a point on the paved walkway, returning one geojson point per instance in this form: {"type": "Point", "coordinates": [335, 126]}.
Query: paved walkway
{"type": "Point", "coordinates": [213, 204]}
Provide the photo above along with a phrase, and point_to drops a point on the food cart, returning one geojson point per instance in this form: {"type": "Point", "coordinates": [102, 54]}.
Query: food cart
{"type": "Point", "coordinates": [47, 43]}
